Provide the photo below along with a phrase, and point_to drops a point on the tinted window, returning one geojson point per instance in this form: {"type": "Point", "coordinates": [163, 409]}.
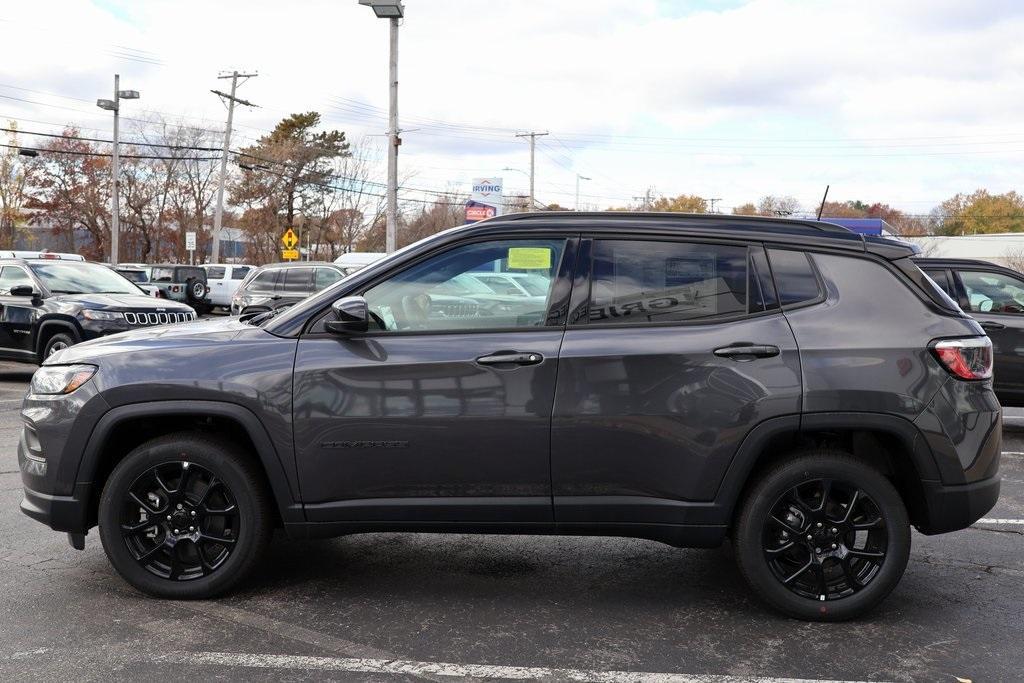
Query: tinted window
{"type": "Point", "coordinates": [794, 276]}
{"type": "Point", "coordinates": [992, 292]}
{"type": "Point", "coordinates": [666, 281]}
{"type": "Point", "coordinates": [440, 294]}
{"type": "Point", "coordinates": [298, 280]}
{"type": "Point", "coordinates": [941, 278]}
{"type": "Point", "coordinates": [239, 272]}
{"type": "Point", "coordinates": [13, 276]}
{"type": "Point", "coordinates": [325, 277]}
{"type": "Point", "coordinates": [216, 272]}
{"type": "Point", "coordinates": [186, 274]}
{"type": "Point", "coordinates": [265, 281]}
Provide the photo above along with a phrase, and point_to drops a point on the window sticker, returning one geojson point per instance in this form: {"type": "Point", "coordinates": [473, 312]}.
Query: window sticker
{"type": "Point", "coordinates": [529, 258]}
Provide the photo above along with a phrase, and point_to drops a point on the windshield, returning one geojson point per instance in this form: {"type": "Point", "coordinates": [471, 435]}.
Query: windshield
{"type": "Point", "coordinates": [82, 278]}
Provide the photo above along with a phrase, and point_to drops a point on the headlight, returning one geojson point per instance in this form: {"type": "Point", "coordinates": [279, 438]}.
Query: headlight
{"type": "Point", "coordinates": [61, 379]}
{"type": "Point", "coordinates": [91, 314]}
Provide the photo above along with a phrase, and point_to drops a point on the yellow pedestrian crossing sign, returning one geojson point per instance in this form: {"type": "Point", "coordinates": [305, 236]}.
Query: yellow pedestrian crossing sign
{"type": "Point", "coordinates": [289, 239]}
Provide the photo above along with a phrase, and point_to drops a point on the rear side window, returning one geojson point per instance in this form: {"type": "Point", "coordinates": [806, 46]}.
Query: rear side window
{"type": "Point", "coordinates": [941, 278]}
{"type": "Point", "coordinates": [239, 272]}
{"type": "Point", "coordinates": [265, 281]}
{"type": "Point", "coordinates": [298, 280]}
{"type": "Point", "coordinates": [795, 278]}
{"type": "Point", "coordinates": [216, 272]}
{"type": "Point", "coordinates": [761, 287]}
{"type": "Point", "coordinates": [641, 281]}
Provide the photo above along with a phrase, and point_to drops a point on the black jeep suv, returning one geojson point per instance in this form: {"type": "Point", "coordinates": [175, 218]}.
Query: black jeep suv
{"type": "Point", "coordinates": [800, 389]}
{"type": "Point", "coordinates": [47, 305]}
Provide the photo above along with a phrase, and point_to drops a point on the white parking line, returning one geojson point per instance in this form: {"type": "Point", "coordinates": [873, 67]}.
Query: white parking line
{"type": "Point", "coordinates": [476, 671]}
{"type": "Point", "coordinates": [1000, 520]}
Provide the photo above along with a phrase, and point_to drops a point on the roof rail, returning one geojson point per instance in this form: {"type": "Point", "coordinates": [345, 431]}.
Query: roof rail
{"type": "Point", "coordinates": [810, 224]}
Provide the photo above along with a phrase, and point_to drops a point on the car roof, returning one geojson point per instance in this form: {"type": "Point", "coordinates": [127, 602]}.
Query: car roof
{"type": "Point", "coordinates": [797, 231]}
{"type": "Point", "coordinates": [300, 264]}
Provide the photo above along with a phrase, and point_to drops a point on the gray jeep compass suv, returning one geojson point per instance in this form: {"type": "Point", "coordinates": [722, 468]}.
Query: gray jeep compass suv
{"type": "Point", "coordinates": [799, 389]}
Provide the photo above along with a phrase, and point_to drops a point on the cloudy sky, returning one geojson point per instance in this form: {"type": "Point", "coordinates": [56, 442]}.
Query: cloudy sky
{"type": "Point", "coordinates": [906, 102]}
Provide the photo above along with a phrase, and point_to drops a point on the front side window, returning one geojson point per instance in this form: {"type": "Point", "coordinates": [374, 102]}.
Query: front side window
{"type": "Point", "coordinates": [444, 294]}
{"type": "Point", "coordinates": [216, 272]}
{"type": "Point", "coordinates": [941, 278]}
{"type": "Point", "coordinates": [11, 277]}
{"type": "Point", "coordinates": [993, 292]}
{"type": "Point", "coordinates": [648, 281]}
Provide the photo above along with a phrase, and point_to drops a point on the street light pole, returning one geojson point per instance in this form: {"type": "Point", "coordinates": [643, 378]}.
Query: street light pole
{"type": "Point", "coordinates": [393, 142]}
{"type": "Point", "coordinates": [114, 105]}
{"type": "Point", "coordinates": [115, 170]}
{"type": "Point", "coordinates": [579, 177]}
{"type": "Point", "coordinates": [392, 10]}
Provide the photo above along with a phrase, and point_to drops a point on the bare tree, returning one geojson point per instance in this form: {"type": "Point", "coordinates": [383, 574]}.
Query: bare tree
{"type": "Point", "coordinates": [14, 189]}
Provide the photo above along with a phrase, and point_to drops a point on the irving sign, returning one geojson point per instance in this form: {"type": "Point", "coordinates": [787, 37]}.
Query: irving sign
{"type": "Point", "coordinates": [486, 201]}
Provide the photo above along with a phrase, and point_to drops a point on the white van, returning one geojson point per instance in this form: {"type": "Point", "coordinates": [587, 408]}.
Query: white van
{"type": "Point", "coordinates": [357, 260]}
{"type": "Point", "coordinates": [223, 279]}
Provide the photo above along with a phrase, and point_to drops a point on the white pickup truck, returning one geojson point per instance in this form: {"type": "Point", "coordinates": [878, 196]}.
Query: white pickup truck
{"type": "Point", "coordinates": [223, 279]}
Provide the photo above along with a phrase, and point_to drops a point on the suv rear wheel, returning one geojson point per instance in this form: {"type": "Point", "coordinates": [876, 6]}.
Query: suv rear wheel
{"type": "Point", "coordinates": [184, 516]}
{"type": "Point", "coordinates": [57, 342]}
{"type": "Point", "coordinates": [823, 536]}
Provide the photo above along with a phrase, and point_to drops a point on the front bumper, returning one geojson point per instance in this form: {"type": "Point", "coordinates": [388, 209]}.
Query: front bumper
{"type": "Point", "coordinates": [60, 513]}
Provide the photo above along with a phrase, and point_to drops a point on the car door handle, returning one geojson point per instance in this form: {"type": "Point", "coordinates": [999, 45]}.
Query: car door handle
{"type": "Point", "coordinates": [747, 352]}
{"type": "Point", "coordinates": [992, 326]}
{"type": "Point", "coordinates": [510, 358]}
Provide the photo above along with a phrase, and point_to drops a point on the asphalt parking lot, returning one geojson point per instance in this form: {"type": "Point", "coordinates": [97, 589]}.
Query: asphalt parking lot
{"type": "Point", "coordinates": [393, 607]}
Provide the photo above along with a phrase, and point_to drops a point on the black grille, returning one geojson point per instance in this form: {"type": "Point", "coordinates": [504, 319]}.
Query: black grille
{"type": "Point", "coordinates": [141, 318]}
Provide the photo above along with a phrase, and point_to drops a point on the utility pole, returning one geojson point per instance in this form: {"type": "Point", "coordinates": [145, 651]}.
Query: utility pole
{"type": "Point", "coordinates": [576, 206]}
{"type": "Point", "coordinates": [533, 143]}
{"type": "Point", "coordinates": [645, 200]}
{"type": "Point", "coordinates": [712, 201]}
{"type": "Point", "coordinates": [218, 213]}
{"type": "Point", "coordinates": [394, 141]}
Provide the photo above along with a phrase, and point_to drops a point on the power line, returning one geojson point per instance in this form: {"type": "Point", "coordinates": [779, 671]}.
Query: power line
{"type": "Point", "coordinates": [101, 154]}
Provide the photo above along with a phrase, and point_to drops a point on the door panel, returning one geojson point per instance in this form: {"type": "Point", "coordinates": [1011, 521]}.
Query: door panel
{"type": "Point", "coordinates": [996, 301]}
{"type": "Point", "coordinates": [412, 427]}
{"type": "Point", "coordinates": [648, 418]}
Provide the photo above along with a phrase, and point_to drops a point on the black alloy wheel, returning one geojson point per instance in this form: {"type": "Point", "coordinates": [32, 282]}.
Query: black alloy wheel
{"type": "Point", "coordinates": [822, 536]}
{"type": "Point", "coordinates": [186, 516]}
{"type": "Point", "coordinates": [825, 539]}
{"type": "Point", "coordinates": [179, 521]}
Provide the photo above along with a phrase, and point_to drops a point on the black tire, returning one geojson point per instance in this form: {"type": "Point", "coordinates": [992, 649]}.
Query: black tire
{"type": "Point", "coordinates": [770, 552]}
{"type": "Point", "coordinates": [57, 342]}
{"type": "Point", "coordinates": [245, 539]}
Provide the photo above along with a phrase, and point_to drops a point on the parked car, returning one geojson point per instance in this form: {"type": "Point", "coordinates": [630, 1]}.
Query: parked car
{"type": "Point", "coordinates": [182, 283]}
{"type": "Point", "coordinates": [47, 305]}
{"type": "Point", "coordinates": [224, 279]}
{"type": "Point", "coordinates": [140, 276]}
{"type": "Point", "coordinates": [44, 254]}
{"type": "Point", "coordinates": [800, 389]}
{"type": "Point", "coordinates": [357, 260]}
{"type": "Point", "coordinates": [278, 285]}
{"type": "Point", "coordinates": [994, 296]}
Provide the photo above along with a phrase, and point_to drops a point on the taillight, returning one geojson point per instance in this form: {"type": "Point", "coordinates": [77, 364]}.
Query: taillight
{"type": "Point", "coordinates": [969, 358]}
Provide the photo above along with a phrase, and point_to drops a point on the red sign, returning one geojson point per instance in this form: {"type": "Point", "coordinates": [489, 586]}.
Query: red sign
{"type": "Point", "coordinates": [479, 213]}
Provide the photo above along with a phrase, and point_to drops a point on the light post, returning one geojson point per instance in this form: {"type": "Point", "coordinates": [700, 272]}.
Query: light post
{"type": "Point", "coordinates": [579, 177]}
{"type": "Point", "coordinates": [393, 10]}
{"type": "Point", "coordinates": [114, 105]}
{"type": "Point", "coordinates": [519, 170]}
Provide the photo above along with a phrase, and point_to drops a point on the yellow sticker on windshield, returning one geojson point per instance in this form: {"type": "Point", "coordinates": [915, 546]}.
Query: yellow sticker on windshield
{"type": "Point", "coordinates": [529, 258]}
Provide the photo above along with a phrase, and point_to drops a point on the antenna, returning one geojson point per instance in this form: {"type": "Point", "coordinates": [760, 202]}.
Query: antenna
{"type": "Point", "coordinates": [822, 207]}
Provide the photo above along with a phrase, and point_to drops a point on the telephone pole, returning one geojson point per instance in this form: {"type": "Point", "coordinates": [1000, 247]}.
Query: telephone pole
{"type": "Point", "coordinates": [218, 213]}
{"type": "Point", "coordinates": [533, 143]}
{"type": "Point", "coordinates": [712, 201]}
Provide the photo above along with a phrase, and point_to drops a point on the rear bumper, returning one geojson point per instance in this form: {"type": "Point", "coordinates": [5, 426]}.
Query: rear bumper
{"type": "Point", "coordinates": [957, 507]}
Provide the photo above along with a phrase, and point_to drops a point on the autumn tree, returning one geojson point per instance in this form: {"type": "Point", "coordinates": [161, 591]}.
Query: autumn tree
{"type": "Point", "coordinates": [980, 212]}
{"type": "Point", "coordinates": [747, 209]}
{"type": "Point", "coordinates": [15, 186]}
{"type": "Point", "coordinates": [684, 203]}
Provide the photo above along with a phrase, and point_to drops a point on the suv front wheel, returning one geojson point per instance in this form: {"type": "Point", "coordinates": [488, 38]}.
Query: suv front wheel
{"type": "Point", "coordinates": [184, 516]}
{"type": "Point", "coordinates": [823, 536]}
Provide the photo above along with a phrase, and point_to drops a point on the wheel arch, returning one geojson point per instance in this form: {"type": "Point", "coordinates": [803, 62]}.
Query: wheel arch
{"type": "Point", "coordinates": [51, 326]}
{"type": "Point", "coordinates": [123, 428]}
{"type": "Point", "coordinates": [890, 443]}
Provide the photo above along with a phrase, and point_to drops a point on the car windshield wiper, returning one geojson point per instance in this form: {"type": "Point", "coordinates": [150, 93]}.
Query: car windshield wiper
{"type": "Point", "coordinates": [63, 291]}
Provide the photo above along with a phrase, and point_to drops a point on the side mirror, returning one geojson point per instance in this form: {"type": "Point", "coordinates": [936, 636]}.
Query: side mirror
{"type": "Point", "coordinates": [23, 290]}
{"type": "Point", "coordinates": [351, 315]}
